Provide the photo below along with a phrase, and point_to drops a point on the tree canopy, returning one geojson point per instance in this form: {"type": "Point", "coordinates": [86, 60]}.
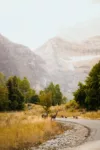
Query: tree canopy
{"type": "Point", "coordinates": [57, 96]}
{"type": "Point", "coordinates": [88, 94]}
{"type": "Point", "coordinates": [15, 92]}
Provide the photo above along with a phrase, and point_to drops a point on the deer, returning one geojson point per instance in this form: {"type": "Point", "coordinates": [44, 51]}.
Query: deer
{"type": "Point", "coordinates": [76, 117]}
{"type": "Point", "coordinates": [44, 115]}
{"type": "Point", "coordinates": [53, 116]}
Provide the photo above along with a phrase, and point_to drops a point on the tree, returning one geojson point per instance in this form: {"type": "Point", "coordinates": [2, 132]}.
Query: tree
{"type": "Point", "coordinates": [28, 96]}
{"type": "Point", "coordinates": [25, 89]}
{"type": "Point", "coordinates": [93, 88]}
{"type": "Point", "coordinates": [35, 99]}
{"type": "Point", "coordinates": [88, 94]}
{"type": "Point", "coordinates": [46, 100]}
{"type": "Point", "coordinates": [80, 94]}
{"type": "Point", "coordinates": [15, 96]}
{"type": "Point", "coordinates": [51, 88]}
{"type": "Point", "coordinates": [4, 102]}
{"type": "Point", "coordinates": [57, 96]}
{"type": "Point", "coordinates": [64, 99]}
{"type": "Point", "coordinates": [2, 80]}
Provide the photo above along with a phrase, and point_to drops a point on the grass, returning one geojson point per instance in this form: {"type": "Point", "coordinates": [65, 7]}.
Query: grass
{"type": "Point", "coordinates": [70, 112]}
{"type": "Point", "coordinates": [22, 130]}
{"type": "Point", "coordinates": [63, 112]}
{"type": "Point", "coordinates": [92, 115]}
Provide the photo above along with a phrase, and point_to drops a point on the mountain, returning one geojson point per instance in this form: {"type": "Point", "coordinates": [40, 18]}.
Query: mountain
{"type": "Point", "coordinates": [16, 59]}
{"type": "Point", "coordinates": [60, 61]}
{"type": "Point", "coordinates": [67, 63]}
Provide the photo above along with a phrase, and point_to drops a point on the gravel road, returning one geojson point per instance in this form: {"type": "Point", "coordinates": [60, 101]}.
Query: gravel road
{"type": "Point", "coordinates": [84, 135]}
{"type": "Point", "coordinates": [93, 141]}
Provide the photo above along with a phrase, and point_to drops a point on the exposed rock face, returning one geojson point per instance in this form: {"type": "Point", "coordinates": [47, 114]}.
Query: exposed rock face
{"type": "Point", "coordinates": [68, 63]}
{"type": "Point", "coordinates": [16, 59]}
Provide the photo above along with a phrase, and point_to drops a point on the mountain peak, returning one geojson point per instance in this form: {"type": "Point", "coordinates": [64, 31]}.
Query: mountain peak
{"type": "Point", "coordinates": [16, 59]}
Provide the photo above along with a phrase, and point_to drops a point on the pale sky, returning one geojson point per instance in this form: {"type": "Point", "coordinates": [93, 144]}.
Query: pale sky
{"type": "Point", "coordinates": [33, 22]}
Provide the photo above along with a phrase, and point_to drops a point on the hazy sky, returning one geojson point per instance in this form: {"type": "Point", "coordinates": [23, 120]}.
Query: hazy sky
{"type": "Point", "coordinates": [33, 22]}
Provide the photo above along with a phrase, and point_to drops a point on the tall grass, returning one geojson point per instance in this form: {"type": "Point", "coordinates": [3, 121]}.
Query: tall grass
{"type": "Point", "coordinates": [92, 115]}
{"type": "Point", "coordinates": [68, 110]}
{"type": "Point", "coordinates": [21, 130]}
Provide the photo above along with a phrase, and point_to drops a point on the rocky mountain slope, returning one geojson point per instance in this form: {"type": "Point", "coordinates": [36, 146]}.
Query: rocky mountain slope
{"type": "Point", "coordinates": [57, 60]}
{"type": "Point", "coordinates": [68, 63]}
{"type": "Point", "coordinates": [16, 59]}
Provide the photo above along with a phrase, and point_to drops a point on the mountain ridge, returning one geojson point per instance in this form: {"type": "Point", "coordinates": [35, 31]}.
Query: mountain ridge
{"type": "Point", "coordinates": [59, 61]}
{"type": "Point", "coordinates": [16, 59]}
{"type": "Point", "coordinates": [68, 63]}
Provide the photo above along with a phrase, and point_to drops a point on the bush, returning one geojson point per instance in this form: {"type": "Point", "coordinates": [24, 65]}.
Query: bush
{"type": "Point", "coordinates": [72, 104]}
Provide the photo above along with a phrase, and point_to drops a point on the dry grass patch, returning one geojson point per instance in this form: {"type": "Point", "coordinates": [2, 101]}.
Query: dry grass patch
{"type": "Point", "coordinates": [92, 115]}
{"type": "Point", "coordinates": [68, 110]}
{"type": "Point", "coordinates": [21, 130]}
{"type": "Point", "coordinates": [63, 112]}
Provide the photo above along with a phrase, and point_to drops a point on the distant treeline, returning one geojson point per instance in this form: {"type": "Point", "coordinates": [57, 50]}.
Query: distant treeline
{"type": "Point", "coordinates": [15, 92]}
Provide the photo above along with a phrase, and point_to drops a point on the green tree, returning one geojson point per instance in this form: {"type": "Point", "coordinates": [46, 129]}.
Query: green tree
{"type": "Point", "coordinates": [15, 96]}
{"type": "Point", "coordinates": [57, 96]}
{"type": "Point", "coordinates": [29, 95]}
{"type": "Point", "coordinates": [88, 94]}
{"type": "Point", "coordinates": [2, 80]}
{"type": "Point", "coordinates": [4, 102]}
{"type": "Point", "coordinates": [25, 89]}
{"type": "Point", "coordinates": [80, 94]}
{"type": "Point", "coordinates": [35, 99]}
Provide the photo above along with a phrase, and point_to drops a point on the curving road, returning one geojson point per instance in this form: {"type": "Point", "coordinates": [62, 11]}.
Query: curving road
{"type": "Point", "coordinates": [93, 141]}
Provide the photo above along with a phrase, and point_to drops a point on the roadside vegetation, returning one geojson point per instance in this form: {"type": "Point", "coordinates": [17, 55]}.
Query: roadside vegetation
{"type": "Point", "coordinates": [22, 130]}
{"type": "Point", "coordinates": [16, 92]}
{"type": "Point", "coordinates": [21, 108]}
{"type": "Point", "coordinates": [67, 110]}
{"type": "Point", "coordinates": [22, 124]}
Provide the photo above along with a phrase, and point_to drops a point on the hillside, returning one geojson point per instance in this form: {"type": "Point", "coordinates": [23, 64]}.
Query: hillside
{"type": "Point", "coordinates": [58, 60]}
{"type": "Point", "coordinates": [68, 63]}
{"type": "Point", "coordinates": [16, 59]}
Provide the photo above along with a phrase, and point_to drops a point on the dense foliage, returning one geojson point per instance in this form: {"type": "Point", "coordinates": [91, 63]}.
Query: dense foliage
{"type": "Point", "coordinates": [15, 92]}
{"type": "Point", "coordinates": [51, 96]}
{"type": "Point", "coordinates": [88, 94]}
{"type": "Point", "coordinates": [57, 96]}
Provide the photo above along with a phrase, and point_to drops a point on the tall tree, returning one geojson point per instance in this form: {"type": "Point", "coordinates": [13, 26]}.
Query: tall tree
{"type": "Point", "coordinates": [57, 96]}
{"type": "Point", "coordinates": [15, 96]}
{"type": "Point", "coordinates": [4, 102]}
{"type": "Point", "coordinates": [88, 94]}
{"type": "Point", "coordinates": [24, 87]}
{"type": "Point", "coordinates": [80, 94]}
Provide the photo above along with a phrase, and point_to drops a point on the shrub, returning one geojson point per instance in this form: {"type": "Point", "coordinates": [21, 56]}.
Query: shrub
{"type": "Point", "coordinates": [72, 104]}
